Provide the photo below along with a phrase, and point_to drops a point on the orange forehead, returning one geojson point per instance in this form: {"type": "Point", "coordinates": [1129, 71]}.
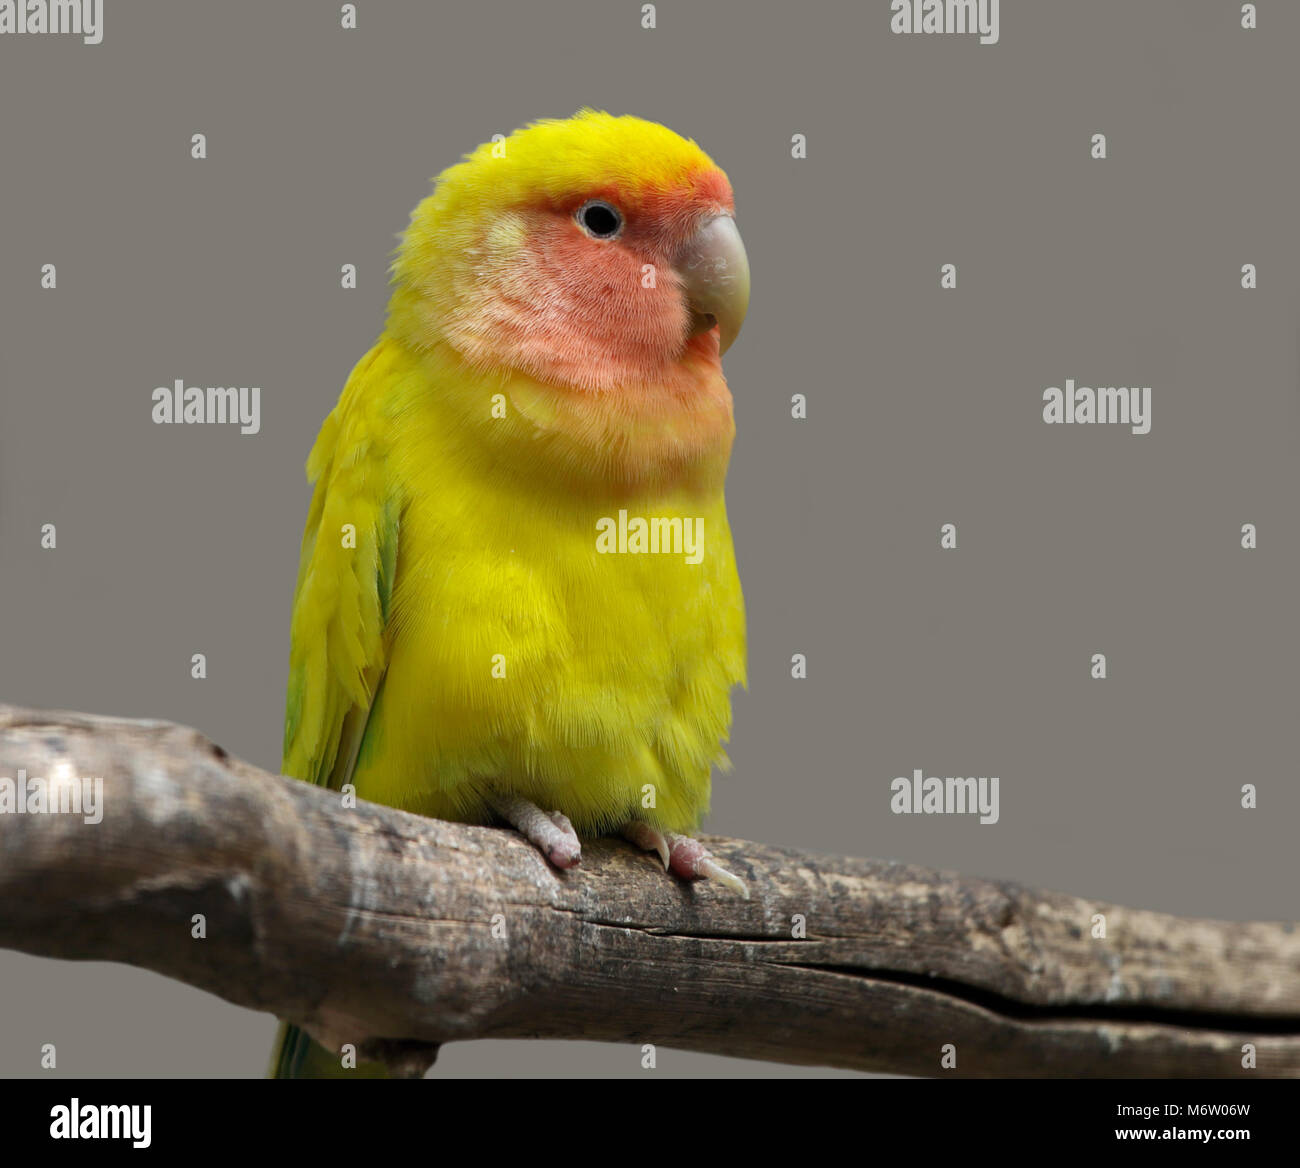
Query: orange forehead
{"type": "Point", "coordinates": [703, 190]}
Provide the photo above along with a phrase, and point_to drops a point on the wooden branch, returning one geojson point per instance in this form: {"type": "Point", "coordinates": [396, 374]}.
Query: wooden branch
{"type": "Point", "coordinates": [399, 933]}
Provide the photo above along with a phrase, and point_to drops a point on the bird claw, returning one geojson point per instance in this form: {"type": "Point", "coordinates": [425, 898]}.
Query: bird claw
{"type": "Point", "coordinates": [714, 871]}
{"type": "Point", "coordinates": [686, 857]}
{"type": "Point", "coordinates": [550, 833]}
{"type": "Point", "coordinates": [648, 839]}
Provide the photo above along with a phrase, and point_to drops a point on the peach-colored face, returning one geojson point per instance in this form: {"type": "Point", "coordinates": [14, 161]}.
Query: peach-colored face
{"type": "Point", "coordinates": [591, 309]}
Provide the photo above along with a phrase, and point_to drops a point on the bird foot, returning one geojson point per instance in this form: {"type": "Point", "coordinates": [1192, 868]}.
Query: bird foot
{"type": "Point", "coordinates": [683, 856]}
{"type": "Point", "coordinates": [550, 833]}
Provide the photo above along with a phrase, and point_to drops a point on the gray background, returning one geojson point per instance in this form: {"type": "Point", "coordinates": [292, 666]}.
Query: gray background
{"type": "Point", "coordinates": [925, 408]}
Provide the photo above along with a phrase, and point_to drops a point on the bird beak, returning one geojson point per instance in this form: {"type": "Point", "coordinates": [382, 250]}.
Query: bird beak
{"type": "Point", "coordinates": [715, 272]}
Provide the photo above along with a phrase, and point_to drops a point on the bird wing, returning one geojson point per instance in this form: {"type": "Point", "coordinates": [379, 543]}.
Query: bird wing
{"type": "Point", "coordinates": [339, 640]}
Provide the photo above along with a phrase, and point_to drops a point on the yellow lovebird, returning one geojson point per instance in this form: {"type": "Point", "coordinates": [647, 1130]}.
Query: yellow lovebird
{"type": "Point", "coordinates": [517, 598]}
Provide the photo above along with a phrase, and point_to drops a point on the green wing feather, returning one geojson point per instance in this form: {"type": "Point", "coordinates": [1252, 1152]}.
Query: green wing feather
{"type": "Point", "coordinates": [339, 645]}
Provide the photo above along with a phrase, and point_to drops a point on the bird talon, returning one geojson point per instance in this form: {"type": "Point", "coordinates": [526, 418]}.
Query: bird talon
{"type": "Point", "coordinates": [551, 834]}
{"type": "Point", "coordinates": [686, 857]}
{"type": "Point", "coordinates": [710, 867]}
{"type": "Point", "coordinates": [648, 839]}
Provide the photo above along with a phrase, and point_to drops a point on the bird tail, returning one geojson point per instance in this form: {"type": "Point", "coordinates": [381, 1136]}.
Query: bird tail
{"type": "Point", "coordinates": [296, 1056]}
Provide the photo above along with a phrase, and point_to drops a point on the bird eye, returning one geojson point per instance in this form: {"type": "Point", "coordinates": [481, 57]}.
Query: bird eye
{"type": "Point", "coordinates": [600, 220]}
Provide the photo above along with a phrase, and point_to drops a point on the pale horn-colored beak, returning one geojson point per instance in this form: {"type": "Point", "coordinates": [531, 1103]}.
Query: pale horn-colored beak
{"type": "Point", "coordinates": [715, 272]}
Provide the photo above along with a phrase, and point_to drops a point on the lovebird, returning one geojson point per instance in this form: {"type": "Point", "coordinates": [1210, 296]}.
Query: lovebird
{"type": "Point", "coordinates": [517, 596]}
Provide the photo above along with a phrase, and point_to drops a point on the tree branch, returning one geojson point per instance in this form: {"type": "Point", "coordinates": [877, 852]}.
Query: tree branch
{"type": "Point", "coordinates": [399, 933]}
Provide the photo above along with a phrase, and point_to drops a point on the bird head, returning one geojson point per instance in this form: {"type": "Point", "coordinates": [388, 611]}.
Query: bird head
{"type": "Point", "coordinates": [595, 255]}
